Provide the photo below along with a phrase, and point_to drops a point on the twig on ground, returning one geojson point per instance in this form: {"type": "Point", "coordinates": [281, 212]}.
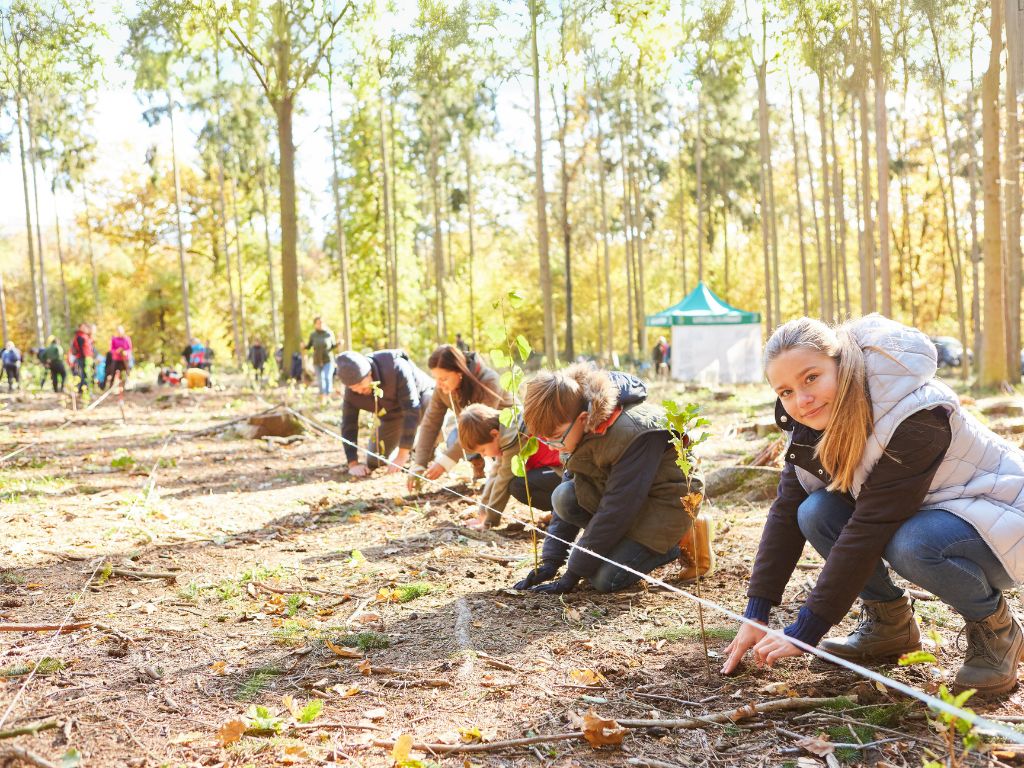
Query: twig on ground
{"type": "Point", "coordinates": [920, 594]}
{"type": "Point", "coordinates": [429, 683]}
{"type": "Point", "coordinates": [333, 726]}
{"type": "Point", "coordinates": [225, 424]}
{"type": "Point", "coordinates": [497, 663]}
{"type": "Point", "coordinates": [650, 762]}
{"type": "Point", "coordinates": [489, 746]}
{"type": "Point", "coordinates": [46, 627]}
{"type": "Point", "coordinates": [132, 574]}
{"type": "Point", "coordinates": [735, 715]}
{"type": "Point", "coordinates": [503, 559]}
{"type": "Point", "coordinates": [30, 729]}
{"type": "Point", "coordinates": [20, 753]}
{"type": "Point", "coordinates": [847, 745]}
{"type": "Point", "coordinates": [674, 700]}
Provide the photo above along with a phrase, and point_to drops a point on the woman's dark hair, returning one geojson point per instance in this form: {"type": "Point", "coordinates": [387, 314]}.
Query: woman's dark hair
{"type": "Point", "coordinates": [448, 357]}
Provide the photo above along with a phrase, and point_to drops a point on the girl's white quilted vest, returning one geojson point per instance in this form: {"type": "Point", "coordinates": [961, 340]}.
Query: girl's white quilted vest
{"type": "Point", "coordinates": [981, 478]}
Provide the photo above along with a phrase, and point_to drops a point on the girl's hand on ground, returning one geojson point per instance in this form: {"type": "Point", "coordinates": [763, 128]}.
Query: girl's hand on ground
{"type": "Point", "coordinates": [434, 471]}
{"type": "Point", "coordinates": [545, 572]}
{"type": "Point", "coordinates": [771, 649]}
{"type": "Point", "coordinates": [748, 636]}
{"type": "Point", "coordinates": [567, 583]}
{"type": "Point", "coordinates": [398, 461]}
{"type": "Point", "coordinates": [358, 470]}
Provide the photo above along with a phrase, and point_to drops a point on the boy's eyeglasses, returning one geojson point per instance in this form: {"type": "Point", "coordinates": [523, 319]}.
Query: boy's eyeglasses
{"type": "Point", "coordinates": [560, 442]}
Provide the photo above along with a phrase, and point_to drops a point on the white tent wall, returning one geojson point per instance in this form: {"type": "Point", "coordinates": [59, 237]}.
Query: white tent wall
{"type": "Point", "coordinates": [717, 354]}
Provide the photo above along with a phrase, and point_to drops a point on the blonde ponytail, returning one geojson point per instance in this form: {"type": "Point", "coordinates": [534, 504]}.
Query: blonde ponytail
{"type": "Point", "coordinates": [845, 436]}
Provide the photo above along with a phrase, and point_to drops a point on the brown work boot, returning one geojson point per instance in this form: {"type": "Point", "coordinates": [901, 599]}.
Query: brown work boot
{"type": "Point", "coordinates": [700, 536]}
{"type": "Point", "coordinates": [995, 645]}
{"type": "Point", "coordinates": [886, 629]}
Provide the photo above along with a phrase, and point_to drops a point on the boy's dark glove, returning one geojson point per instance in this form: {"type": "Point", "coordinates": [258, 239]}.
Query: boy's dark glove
{"type": "Point", "coordinates": [565, 584]}
{"type": "Point", "coordinates": [546, 572]}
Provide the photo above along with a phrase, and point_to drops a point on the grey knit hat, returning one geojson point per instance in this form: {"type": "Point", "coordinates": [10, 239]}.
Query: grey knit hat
{"type": "Point", "coordinates": [352, 367]}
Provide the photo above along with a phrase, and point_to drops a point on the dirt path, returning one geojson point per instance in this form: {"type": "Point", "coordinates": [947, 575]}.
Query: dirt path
{"type": "Point", "coordinates": [294, 584]}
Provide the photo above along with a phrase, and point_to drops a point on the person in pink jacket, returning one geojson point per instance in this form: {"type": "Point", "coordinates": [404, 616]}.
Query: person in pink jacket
{"type": "Point", "coordinates": [121, 356]}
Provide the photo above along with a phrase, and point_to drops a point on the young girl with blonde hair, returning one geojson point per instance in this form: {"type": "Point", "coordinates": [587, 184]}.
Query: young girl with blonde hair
{"type": "Point", "coordinates": [884, 471]}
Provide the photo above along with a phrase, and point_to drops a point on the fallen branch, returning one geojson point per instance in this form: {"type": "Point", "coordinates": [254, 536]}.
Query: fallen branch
{"type": "Point", "coordinates": [329, 726]}
{"type": "Point", "coordinates": [20, 753]}
{"type": "Point", "coordinates": [225, 424]}
{"type": "Point", "coordinates": [60, 628]}
{"type": "Point", "coordinates": [740, 713]}
{"type": "Point", "coordinates": [429, 683]}
{"type": "Point", "coordinates": [29, 730]}
{"type": "Point", "coordinates": [650, 762]}
{"type": "Point", "coordinates": [128, 572]}
{"type": "Point", "coordinates": [503, 559]}
{"type": "Point", "coordinates": [488, 746]}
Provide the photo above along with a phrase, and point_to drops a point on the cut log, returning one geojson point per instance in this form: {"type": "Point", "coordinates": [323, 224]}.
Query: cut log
{"type": "Point", "coordinates": [1001, 406]}
{"type": "Point", "coordinates": [759, 428]}
{"type": "Point", "coordinates": [276, 425]}
{"type": "Point", "coordinates": [757, 483]}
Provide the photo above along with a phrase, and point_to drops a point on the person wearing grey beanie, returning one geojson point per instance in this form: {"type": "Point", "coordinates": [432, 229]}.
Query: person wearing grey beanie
{"type": "Point", "coordinates": [385, 383]}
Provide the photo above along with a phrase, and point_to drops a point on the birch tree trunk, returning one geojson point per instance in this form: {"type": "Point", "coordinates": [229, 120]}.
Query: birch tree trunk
{"type": "Point", "coordinates": [762, 129]}
{"type": "Point", "coordinates": [89, 249]}
{"type": "Point", "coordinates": [799, 203]}
{"type": "Point", "coordinates": [346, 322]}
{"type": "Point", "coordinates": [177, 224]}
{"type": "Point", "coordinates": [814, 209]}
{"type": "Point", "coordinates": [826, 203]}
{"type": "Point", "coordinates": [1011, 196]}
{"type": "Point", "coordinates": [33, 158]}
{"type": "Point", "coordinates": [541, 196]}
{"type": "Point", "coordinates": [602, 176]}
{"type": "Point", "coordinates": [881, 162]}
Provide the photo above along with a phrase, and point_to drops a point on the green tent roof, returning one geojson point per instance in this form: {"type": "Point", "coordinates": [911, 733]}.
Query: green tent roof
{"type": "Point", "coordinates": [702, 307]}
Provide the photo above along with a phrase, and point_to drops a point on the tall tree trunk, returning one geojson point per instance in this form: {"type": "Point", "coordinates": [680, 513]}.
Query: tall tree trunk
{"type": "Point", "coordinates": [37, 310]}
{"type": "Point", "coordinates": [762, 129]}
{"type": "Point", "coordinates": [395, 314]}
{"type": "Point", "coordinates": [241, 274]}
{"type": "Point", "coordinates": [468, 155]}
{"type": "Point", "coordinates": [222, 213]}
{"type": "Point", "coordinates": [682, 214]}
{"type": "Point", "coordinates": [542, 216]}
{"type": "Point", "coordinates": [602, 172]}
{"type": "Point", "coordinates": [388, 237]}
{"type": "Point", "coordinates": [275, 329]}
{"type": "Point", "coordinates": [339, 229]}
{"type": "Point", "coordinates": [640, 288]}
{"type": "Point", "coordinates": [725, 251]}
{"type": "Point", "coordinates": [63, 281]}
{"type": "Point", "coordinates": [3, 310]}
{"type": "Point", "coordinates": [33, 158]}
{"type": "Point", "coordinates": [699, 193]}
{"type": "Point", "coordinates": [955, 256]}
{"type": "Point", "coordinates": [177, 224]}
{"type": "Point", "coordinates": [839, 199]}
{"type": "Point", "coordinates": [284, 108]}
{"type": "Point", "coordinates": [826, 202]}
{"type": "Point", "coordinates": [599, 306]}
{"type": "Point", "coordinates": [993, 369]}
{"type": "Point", "coordinates": [89, 249]}
{"type": "Point", "coordinates": [881, 162]}
{"type": "Point", "coordinates": [440, 320]}
{"type": "Point", "coordinates": [814, 209]}
{"type": "Point", "coordinates": [1012, 198]}
{"type": "Point", "coordinates": [563, 127]}
{"type": "Point", "coordinates": [868, 282]}
{"type": "Point", "coordinates": [627, 220]}
{"type": "Point", "coordinates": [907, 250]}
{"type": "Point", "coordinates": [952, 217]}
{"type": "Point", "coordinates": [799, 203]}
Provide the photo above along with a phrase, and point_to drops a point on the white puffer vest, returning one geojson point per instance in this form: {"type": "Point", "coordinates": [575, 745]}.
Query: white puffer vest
{"type": "Point", "coordinates": [981, 478]}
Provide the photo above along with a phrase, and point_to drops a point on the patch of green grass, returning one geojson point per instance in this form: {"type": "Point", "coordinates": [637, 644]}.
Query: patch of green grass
{"type": "Point", "coordinates": [13, 489]}
{"type": "Point", "coordinates": [10, 576]}
{"type": "Point", "coordinates": [841, 733]}
{"type": "Point", "coordinates": [364, 641]}
{"type": "Point", "coordinates": [290, 632]}
{"type": "Point", "coordinates": [259, 679]}
{"type": "Point", "coordinates": [839, 704]}
{"type": "Point", "coordinates": [123, 460]}
{"type": "Point", "coordinates": [260, 573]}
{"type": "Point", "coordinates": [228, 589]}
{"type": "Point", "coordinates": [294, 603]}
{"type": "Point", "coordinates": [47, 666]}
{"type": "Point", "coordinates": [686, 632]}
{"type": "Point", "coordinates": [407, 592]}
{"type": "Point", "coordinates": [885, 715]}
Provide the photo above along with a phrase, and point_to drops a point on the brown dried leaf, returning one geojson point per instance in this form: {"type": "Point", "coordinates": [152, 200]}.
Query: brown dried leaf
{"type": "Point", "coordinates": [345, 653]}
{"type": "Point", "coordinates": [600, 732]}
{"type": "Point", "coordinates": [219, 667]}
{"type": "Point", "coordinates": [691, 503]}
{"type": "Point", "coordinates": [294, 754]}
{"type": "Point", "coordinates": [817, 745]}
{"type": "Point", "coordinates": [364, 667]}
{"type": "Point", "coordinates": [231, 732]}
{"type": "Point", "coordinates": [586, 677]}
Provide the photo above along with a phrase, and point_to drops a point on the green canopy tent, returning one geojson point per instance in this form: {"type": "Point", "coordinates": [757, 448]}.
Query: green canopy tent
{"type": "Point", "coordinates": [712, 341]}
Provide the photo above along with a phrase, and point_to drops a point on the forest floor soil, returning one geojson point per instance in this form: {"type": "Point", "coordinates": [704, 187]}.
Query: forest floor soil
{"type": "Point", "coordinates": [287, 582]}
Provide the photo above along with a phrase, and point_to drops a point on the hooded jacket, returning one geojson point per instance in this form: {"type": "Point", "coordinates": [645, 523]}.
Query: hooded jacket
{"type": "Point", "coordinates": [618, 415]}
{"type": "Point", "coordinates": [403, 389]}
{"type": "Point", "coordinates": [430, 428]}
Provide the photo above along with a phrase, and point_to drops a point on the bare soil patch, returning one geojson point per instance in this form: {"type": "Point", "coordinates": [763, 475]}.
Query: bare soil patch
{"type": "Point", "coordinates": [292, 583]}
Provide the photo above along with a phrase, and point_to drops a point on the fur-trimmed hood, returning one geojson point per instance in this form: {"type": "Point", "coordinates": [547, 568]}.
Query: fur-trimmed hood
{"type": "Point", "coordinates": [605, 391]}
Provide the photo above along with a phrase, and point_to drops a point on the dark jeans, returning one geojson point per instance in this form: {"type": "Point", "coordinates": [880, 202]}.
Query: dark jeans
{"type": "Point", "coordinates": [543, 482]}
{"type": "Point", "coordinates": [82, 374]}
{"type": "Point", "coordinates": [115, 367]}
{"type": "Point", "coordinates": [58, 374]}
{"type": "Point", "coordinates": [13, 376]}
{"type": "Point", "coordinates": [389, 433]}
{"type": "Point", "coordinates": [609, 577]}
{"type": "Point", "coordinates": [933, 549]}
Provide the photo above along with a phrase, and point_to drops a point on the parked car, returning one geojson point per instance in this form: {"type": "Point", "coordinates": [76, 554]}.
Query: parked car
{"type": "Point", "coordinates": [950, 352]}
